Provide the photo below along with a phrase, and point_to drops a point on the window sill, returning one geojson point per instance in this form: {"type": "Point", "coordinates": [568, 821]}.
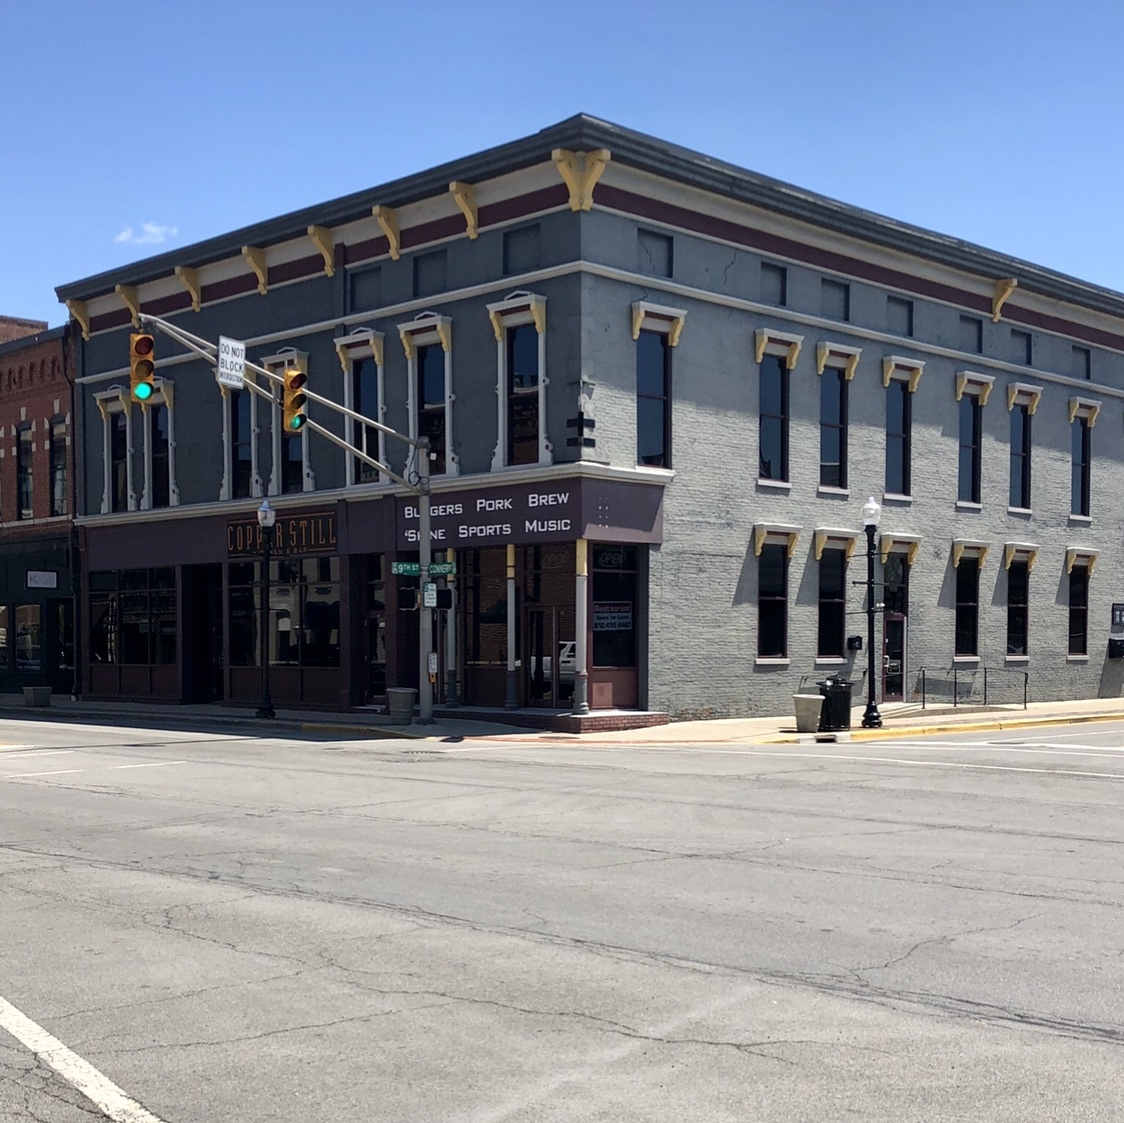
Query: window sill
{"type": "Point", "coordinates": [1016, 659]}
{"type": "Point", "coordinates": [764, 661]}
{"type": "Point", "coordinates": [892, 497]}
{"type": "Point", "coordinates": [830, 661]}
{"type": "Point", "coordinates": [837, 492]}
{"type": "Point", "coordinates": [779, 485]}
{"type": "Point", "coordinates": [1026, 511]}
{"type": "Point", "coordinates": [1080, 518]}
{"type": "Point", "coordinates": [965, 658]}
{"type": "Point", "coordinates": [1077, 658]}
{"type": "Point", "coordinates": [965, 505]}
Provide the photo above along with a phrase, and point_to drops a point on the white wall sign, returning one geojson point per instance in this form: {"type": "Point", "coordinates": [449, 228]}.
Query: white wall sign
{"type": "Point", "coordinates": [42, 579]}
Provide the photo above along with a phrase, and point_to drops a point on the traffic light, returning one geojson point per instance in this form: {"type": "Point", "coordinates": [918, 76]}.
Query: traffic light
{"type": "Point", "coordinates": [142, 368]}
{"type": "Point", "coordinates": [294, 403]}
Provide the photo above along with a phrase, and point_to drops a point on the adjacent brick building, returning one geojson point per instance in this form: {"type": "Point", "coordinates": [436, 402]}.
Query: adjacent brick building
{"type": "Point", "coordinates": [36, 510]}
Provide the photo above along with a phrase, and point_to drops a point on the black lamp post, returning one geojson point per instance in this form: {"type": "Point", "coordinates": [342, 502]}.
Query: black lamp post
{"type": "Point", "coordinates": [267, 516]}
{"type": "Point", "coordinates": [872, 512]}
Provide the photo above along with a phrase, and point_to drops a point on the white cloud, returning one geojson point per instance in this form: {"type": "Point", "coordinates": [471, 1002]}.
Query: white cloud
{"type": "Point", "coordinates": [150, 234]}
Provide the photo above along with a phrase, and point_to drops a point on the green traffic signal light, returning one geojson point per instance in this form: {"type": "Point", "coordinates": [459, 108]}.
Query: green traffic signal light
{"type": "Point", "coordinates": [143, 391]}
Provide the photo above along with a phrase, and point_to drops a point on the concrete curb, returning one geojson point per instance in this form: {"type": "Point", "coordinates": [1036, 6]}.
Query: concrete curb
{"type": "Point", "coordinates": [959, 727]}
{"type": "Point", "coordinates": [371, 732]}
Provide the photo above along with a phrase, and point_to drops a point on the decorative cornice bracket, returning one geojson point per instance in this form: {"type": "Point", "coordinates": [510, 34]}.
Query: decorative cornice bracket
{"type": "Point", "coordinates": [189, 278]}
{"type": "Point", "coordinates": [81, 314]}
{"type": "Point", "coordinates": [1003, 290]}
{"type": "Point", "coordinates": [131, 299]}
{"type": "Point", "coordinates": [255, 258]}
{"type": "Point", "coordinates": [325, 242]}
{"type": "Point", "coordinates": [387, 218]}
{"type": "Point", "coordinates": [580, 171]}
{"type": "Point", "coordinates": [464, 195]}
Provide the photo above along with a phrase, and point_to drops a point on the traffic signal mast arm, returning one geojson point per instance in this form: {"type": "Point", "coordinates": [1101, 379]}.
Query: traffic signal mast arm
{"type": "Point", "coordinates": [208, 351]}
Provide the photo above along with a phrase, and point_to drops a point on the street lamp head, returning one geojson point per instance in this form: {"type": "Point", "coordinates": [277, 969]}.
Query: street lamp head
{"type": "Point", "coordinates": [872, 512]}
{"type": "Point", "coordinates": [267, 516]}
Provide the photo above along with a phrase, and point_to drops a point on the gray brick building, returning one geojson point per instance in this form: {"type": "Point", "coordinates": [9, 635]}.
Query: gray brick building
{"type": "Point", "coordinates": [661, 389]}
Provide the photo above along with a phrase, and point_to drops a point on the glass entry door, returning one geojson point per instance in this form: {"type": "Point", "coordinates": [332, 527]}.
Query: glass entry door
{"type": "Point", "coordinates": [549, 657]}
{"type": "Point", "coordinates": [894, 628]}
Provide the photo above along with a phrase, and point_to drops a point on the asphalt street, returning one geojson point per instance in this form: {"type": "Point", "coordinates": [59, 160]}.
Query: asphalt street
{"type": "Point", "coordinates": [214, 925]}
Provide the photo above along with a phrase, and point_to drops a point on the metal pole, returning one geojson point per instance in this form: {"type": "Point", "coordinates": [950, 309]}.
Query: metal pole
{"type": "Point", "coordinates": [581, 629]}
{"type": "Point", "coordinates": [265, 707]}
{"type": "Point", "coordinates": [512, 700]}
{"type": "Point", "coordinates": [872, 719]}
{"type": "Point", "coordinates": [425, 615]}
{"type": "Point", "coordinates": [451, 638]}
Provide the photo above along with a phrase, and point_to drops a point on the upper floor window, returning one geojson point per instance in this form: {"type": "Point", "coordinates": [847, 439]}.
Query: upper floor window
{"type": "Point", "coordinates": [519, 324]}
{"type": "Point", "coordinates": [971, 334]}
{"type": "Point", "coordinates": [1018, 585]}
{"type": "Point", "coordinates": [428, 343]}
{"type": "Point", "coordinates": [522, 249]}
{"type": "Point", "coordinates": [835, 300]}
{"type": "Point", "coordinates": [772, 601]}
{"type": "Point", "coordinates": [899, 316]}
{"type": "Point", "coordinates": [773, 418]}
{"type": "Point", "coordinates": [899, 437]}
{"type": "Point", "coordinates": [361, 360]}
{"type": "Point", "coordinates": [833, 427]}
{"type": "Point", "coordinates": [654, 253]}
{"type": "Point", "coordinates": [1022, 401]}
{"type": "Point", "coordinates": [656, 330]}
{"type": "Point", "coordinates": [1081, 363]}
{"type": "Point", "coordinates": [1020, 458]}
{"type": "Point", "coordinates": [159, 458]}
{"type": "Point", "coordinates": [291, 455]}
{"type": "Point", "coordinates": [1083, 416]}
{"type": "Point", "coordinates": [1021, 347]}
{"type": "Point", "coordinates": [774, 284]}
{"type": "Point", "coordinates": [967, 639]}
{"type": "Point", "coordinates": [430, 273]}
{"type": "Point", "coordinates": [1079, 608]}
{"type": "Point", "coordinates": [58, 466]}
{"type": "Point", "coordinates": [24, 472]}
{"type": "Point", "coordinates": [971, 436]}
{"type": "Point", "coordinates": [241, 443]}
{"type": "Point", "coordinates": [120, 474]}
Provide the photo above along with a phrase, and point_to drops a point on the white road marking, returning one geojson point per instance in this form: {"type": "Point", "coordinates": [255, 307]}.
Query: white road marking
{"type": "Point", "coordinates": [40, 752]}
{"type": "Point", "coordinates": [151, 764]}
{"type": "Point", "coordinates": [57, 772]}
{"type": "Point", "coordinates": [921, 763]}
{"type": "Point", "coordinates": [79, 1073]}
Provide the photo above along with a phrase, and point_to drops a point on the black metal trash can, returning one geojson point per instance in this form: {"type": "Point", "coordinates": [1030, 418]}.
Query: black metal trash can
{"type": "Point", "coordinates": [836, 712]}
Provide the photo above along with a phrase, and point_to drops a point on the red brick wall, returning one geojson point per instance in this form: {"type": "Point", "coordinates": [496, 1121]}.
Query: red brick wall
{"type": "Point", "coordinates": [34, 388]}
{"type": "Point", "coordinates": [12, 327]}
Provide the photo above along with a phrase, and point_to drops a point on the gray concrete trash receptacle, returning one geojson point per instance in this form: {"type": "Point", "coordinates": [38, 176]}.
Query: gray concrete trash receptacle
{"type": "Point", "coordinates": [807, 709]}
{"type": "Point", "coordinates": [36, 695]}
{"type": "Point", "coordinates": [400, 704]}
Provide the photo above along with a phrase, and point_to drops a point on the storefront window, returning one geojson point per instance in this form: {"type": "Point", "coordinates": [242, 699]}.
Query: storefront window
{"type": "Point", "coordinates": [613, 614]}
{"type": "Point", "coordinates": [485, 593]}
{"type": "Point", "coordinates": [320, 612]}
{"type": "Point", "coordinates": [376, 627]}
{"type": "Point", "coordinates": [133, 616]}
{"type": "Point", "coordinates": [28, 648]}
{"type": "Point", "coordinates": [243, 614]}
{"type": "Point", "coordinates": [5, 649]}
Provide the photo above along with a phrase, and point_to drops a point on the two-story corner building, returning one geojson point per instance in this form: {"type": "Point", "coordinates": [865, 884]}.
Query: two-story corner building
{"type": "Point", "coordinates": [659, 389]}
{"type": "Point", "coordinates": [37, 552]}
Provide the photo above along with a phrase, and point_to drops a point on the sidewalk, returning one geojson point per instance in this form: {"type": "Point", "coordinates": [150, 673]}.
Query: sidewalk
{"type": "Point", "coordinates": [898, 721]}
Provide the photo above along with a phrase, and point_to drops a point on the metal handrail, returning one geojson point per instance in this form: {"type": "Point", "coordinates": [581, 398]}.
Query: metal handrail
{"type": "Point", "coordinates": [925, 671]}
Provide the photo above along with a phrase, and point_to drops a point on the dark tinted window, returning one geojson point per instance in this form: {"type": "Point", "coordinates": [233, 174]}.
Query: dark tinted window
{"type": "Point", "coordinates": [774, 419]}
{"type": "Point", "coordinates": [898, 437]}
{"type": "Point", "coordinates": [652, 399]}
{"type": "Point", "coordinates": [772, 601]}
{"type": "Point", "coordinates": [971, 334]}
{"type": "Point", "coordinates": [899, 316]}
{"type": "Point", "coordinates": [967, 606]}
{"type": "Point", "coordinates": [835, 300]}
{"type": "Point", "coordinates": [774, 284]}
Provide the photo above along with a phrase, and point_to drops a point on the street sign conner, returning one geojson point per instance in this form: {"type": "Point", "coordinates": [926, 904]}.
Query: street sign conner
{"type": "Point", "coordinates": [231, 370]}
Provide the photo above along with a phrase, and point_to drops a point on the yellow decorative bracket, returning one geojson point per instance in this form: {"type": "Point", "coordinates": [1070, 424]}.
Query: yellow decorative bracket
{"type": "Point", "coordinates": [189, 278]}
{"type": "Point", "coordinates": [387, 218]}
{"type": "Point", "coordinates": [323, 240]}
{"type": "Point", "coordinates": [790, 343]}
{"type": "Point", "coordinates": [912, 368]}
{"type": "Point", "coordinates": [77, 308]}
{"type": "Point", "coordinates": [1073, 554]}
{"type": "Point", "coordinates": [350, 347]}
{"type": "Point", "coordinates": [1084, 407]}
{"type": "Point", "coordinates": [850, 355]}
{"type": "Point", "coordinates": [498, 313]}
{"type": "Point", "coordinates": [464, 196]}
{"type": "Point", "coordinates": [762, 531]}
{"type": "Point", "coordinates": [1003, 290]}
{"type": "Point", "coordinates": [912, 541]}
{"type": "Point", "coordinates": [255, 257]}
{"type": "Point", "coordinates": [442, 325]}
{"type": "Point", "coordinates": [1022, 395]}
{"type": "Point", "coordinates": [978, 548]}
{"type": "Point", "coordinates": [131, 299]}
{"type": "Point", "coordinates": [980, 383]}
{"type": "Point", "coordinates": [823, 536]}
{"type": "Point", "coordinates": [1024, 550]}
{"type": "Point", "coordinates": [580, 171]}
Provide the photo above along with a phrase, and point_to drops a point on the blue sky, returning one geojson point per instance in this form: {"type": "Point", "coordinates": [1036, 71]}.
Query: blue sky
{"type": "Point", "coordinates": [133, 128]}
